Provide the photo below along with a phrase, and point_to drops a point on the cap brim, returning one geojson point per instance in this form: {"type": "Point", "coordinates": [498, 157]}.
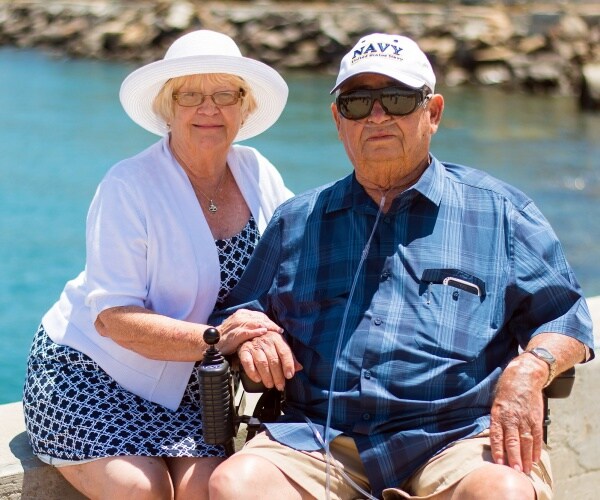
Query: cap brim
{"type": "Point", "coordinates": [140, 88]}
{"type": "Point", "coordinates": [406, 79]}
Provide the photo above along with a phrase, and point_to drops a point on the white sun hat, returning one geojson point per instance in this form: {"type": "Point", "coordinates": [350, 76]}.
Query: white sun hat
{"type": "Point", "coordinates": [395, 56]}
{"type": "Point", "coordinates": [200, 52]}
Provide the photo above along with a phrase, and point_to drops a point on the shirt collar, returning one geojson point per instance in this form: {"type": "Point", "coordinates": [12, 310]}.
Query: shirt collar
{"type": "Point", "coordinates": [348, 192]}
{"type": "Point", "coordinates": [431, 183]}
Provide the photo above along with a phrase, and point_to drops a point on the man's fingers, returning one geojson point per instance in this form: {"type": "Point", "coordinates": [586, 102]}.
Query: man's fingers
{"type": "Point", "coordinates": [497, 443]}
{"type": "Point", "coordinates": [246, 357]}
{"type": "Point", "coordinates": [538, 440]}
{"type": "Point", "coordinates": [262, 364]}
{"type": "Point", "coordinates": [289, 364]}
{"type": "Point", "coordinates": [526, 444]}
{"type": "Point", "coordinates": [273, 366]}
{"type": "Point", "coordinates": [517, 448]}
{"type": "Point", "coordinates": [512, 444]}
{"type": "Point", "coordinates": [260, 361]}
{"type": "Point", "coordinates": [269, 359]}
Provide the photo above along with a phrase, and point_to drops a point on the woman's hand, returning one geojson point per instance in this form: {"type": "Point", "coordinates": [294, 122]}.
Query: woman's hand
{"type": "Point", "coordinates": [244, 325]}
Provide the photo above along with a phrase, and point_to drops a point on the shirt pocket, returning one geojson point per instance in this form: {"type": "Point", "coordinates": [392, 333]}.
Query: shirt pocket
{"type": "Point", "coordinates": [456, 314]}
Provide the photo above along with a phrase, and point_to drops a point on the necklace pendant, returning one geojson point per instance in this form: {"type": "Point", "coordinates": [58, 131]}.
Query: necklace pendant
{"type": "Point", "coordinates": [212, 208]}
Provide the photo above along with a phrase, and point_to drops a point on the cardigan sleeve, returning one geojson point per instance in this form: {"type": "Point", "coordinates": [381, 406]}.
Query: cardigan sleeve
{"type": "Point", "coordinates": [116, 248]}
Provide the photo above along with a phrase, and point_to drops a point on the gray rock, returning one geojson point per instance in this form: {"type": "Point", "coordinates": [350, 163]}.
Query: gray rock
{"type": "Point", "coordinates": [589, 97]}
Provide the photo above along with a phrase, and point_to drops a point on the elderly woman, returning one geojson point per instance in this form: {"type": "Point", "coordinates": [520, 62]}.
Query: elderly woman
{"type": "Point", "coordinates": [111, 395]}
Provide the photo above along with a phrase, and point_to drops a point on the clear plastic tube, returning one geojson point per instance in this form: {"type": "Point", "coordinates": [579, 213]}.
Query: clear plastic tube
{"type": "Point", "coordinates": [325, 441]}
{"type": "Point", "coordinates": [329, 457]}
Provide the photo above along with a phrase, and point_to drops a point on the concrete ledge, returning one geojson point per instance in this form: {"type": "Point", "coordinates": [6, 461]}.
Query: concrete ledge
{"type": "Point", "coordinates": [574, 435]}
{"type": "Point", "coordinates": [22, 475]}
{"type": "Point", "coordinates": [574, 440]}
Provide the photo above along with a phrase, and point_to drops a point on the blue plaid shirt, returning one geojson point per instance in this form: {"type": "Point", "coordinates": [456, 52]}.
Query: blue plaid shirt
{"type": "Point", "coordinates": [419, 359]}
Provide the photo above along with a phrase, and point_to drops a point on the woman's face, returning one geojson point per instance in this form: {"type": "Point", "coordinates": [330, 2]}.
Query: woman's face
{"type": "Point", "coordinates": [206, 125]}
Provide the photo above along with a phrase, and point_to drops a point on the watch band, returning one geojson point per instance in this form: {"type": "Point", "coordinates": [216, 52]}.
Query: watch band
{"type": "Point", "coordinates": [546, 356]}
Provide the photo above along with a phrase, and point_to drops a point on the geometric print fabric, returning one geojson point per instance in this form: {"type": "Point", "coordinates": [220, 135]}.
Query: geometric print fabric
{"type": "Point", "coordinates": [75, 411]}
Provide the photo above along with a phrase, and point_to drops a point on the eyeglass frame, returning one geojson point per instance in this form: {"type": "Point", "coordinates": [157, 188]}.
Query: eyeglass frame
{"type": "Point", "coordinates": [241, 93]}
{"type": "Point", "coordinates": [424, 94]}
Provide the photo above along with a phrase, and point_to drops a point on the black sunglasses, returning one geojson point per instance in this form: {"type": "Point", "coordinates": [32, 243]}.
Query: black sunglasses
{"type": "Point", "coordinates": [396, 101]}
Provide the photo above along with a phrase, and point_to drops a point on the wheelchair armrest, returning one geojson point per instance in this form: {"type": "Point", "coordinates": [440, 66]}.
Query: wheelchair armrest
{"type": "Point", "coordinates": [559, 388]}
{"type": "Point", "coordinates": [562, 385]}
{"type": "Point", "coordinates": [268, 405]}
{"type": "Point", "coordinates": [249, 384]}
{"type": "Point", "coordinates": [239, 376]}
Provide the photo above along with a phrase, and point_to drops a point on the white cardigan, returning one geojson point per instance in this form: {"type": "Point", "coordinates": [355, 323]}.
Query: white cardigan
{"type": "Point", "coordinates": [148, 245]}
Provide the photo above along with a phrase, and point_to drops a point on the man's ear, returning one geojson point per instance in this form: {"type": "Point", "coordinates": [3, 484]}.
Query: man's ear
{"type": "Point", "coordinates": [336, 117]}
{"type": "Point", "coordinates": [436, 109]}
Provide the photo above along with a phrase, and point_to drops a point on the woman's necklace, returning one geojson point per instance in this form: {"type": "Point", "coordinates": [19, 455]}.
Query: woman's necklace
{"type": "Point", "coordinates": [212, 208]}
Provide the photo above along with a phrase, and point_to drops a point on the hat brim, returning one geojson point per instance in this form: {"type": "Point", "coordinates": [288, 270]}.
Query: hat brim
{"type": "Point", "coordinates": [140, 88]}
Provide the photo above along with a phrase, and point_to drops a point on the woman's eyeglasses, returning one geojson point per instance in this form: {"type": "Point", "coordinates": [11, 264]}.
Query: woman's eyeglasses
{"type": "Point", "coordinates": [396, 101]}
{"type": "Point", "coordinates": [223, 98]}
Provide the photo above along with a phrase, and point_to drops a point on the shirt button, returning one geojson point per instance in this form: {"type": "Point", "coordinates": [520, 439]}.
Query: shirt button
{"type": "Point", "coordinates": [367, 374]}
{"type": "Point", "coordinates": [378, 321]}
{"type": "Point", "coordinates": [366, 416]}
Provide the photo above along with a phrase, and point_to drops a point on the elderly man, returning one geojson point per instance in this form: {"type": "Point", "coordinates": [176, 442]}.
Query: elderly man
{"type": "Point", "coordinates": [404, 292]}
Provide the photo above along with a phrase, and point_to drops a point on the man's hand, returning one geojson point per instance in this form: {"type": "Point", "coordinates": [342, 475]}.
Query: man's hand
{"type": "Point", "coordinates": [516, 431]}
{"type": "Point", "coordinates": [268, 359]}
{"type": "Point", "coordinates": [244, 325]}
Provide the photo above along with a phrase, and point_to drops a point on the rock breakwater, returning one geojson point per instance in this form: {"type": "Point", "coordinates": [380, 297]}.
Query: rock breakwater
{"type": "Point", "coordinates": [552, 48]}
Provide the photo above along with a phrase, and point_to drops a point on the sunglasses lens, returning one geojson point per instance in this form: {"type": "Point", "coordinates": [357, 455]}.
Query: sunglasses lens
{"type": "Point", "coordinates": [398, 102]}
{"type": "Point", "coordinates": [355, 105]}
{"type": "Point", "coordinates": [358, 104]}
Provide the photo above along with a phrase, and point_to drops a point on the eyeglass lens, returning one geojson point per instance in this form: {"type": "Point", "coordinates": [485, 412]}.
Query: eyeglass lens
{"type": "Point", "coordinates": [397, 101]}
{"type": "Point", "coordinates": [224, 98]}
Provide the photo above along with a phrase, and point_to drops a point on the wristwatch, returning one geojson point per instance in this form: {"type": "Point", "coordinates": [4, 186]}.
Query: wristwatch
{"type": "Point", "coordinates": [546, 356]}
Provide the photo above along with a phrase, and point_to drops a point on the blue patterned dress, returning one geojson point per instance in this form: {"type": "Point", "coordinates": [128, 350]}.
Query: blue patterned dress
{"type": "Point", "coordinates": [75, 411]}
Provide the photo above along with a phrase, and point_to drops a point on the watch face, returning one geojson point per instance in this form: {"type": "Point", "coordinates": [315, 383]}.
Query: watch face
{"type": "Point", "coordinates": [544, 354]}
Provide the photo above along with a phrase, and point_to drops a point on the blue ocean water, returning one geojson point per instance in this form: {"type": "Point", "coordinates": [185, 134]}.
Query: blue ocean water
{"type": "Point", "coordinates": [63, 127]}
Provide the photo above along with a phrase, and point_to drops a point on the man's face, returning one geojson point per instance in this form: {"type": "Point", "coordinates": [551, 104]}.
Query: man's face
{"type": "Point", "coordinates": [383, 146]}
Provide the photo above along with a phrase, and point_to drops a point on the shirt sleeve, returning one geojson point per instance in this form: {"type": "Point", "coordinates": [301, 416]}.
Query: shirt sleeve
{"type": "Point", "coordinates": [116, 248]}
{"type": "Point", "coordinates": [546, 296]}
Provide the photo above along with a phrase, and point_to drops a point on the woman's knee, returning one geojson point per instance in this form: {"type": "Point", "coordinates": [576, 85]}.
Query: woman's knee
{"type": "Point", "coordinates": [143, 478]}
{"type": "Point", "coordinates": [190, 475]}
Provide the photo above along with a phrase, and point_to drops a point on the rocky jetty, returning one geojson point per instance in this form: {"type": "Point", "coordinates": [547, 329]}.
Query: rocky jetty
{"type": "Point", "coordinates": [552, 48]}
